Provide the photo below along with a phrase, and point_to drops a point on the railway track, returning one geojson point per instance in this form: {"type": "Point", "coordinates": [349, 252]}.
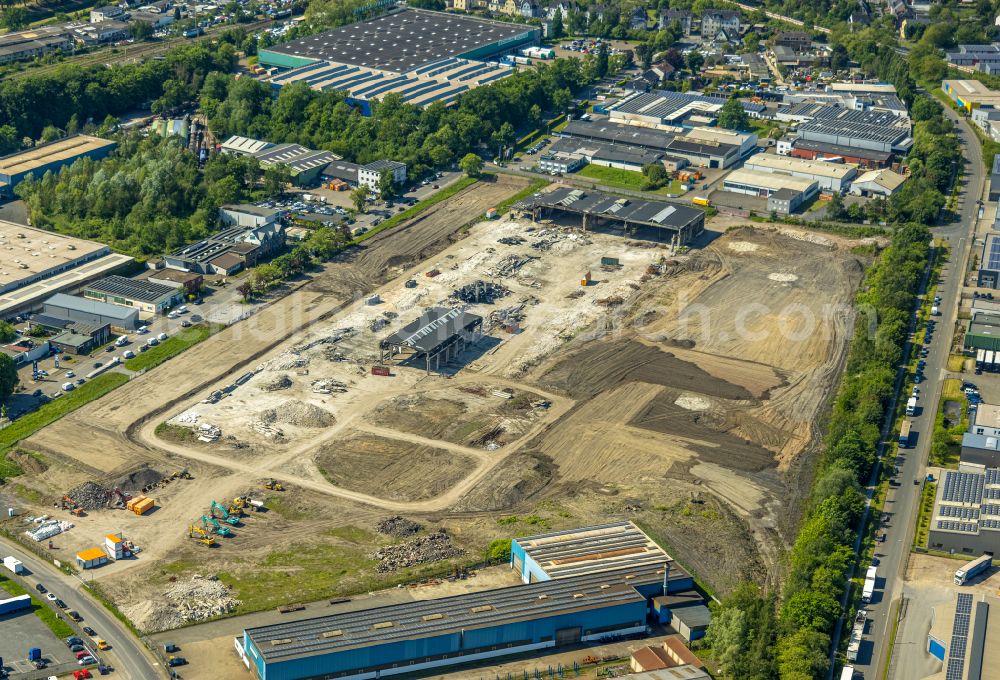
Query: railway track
{"type": "Point", "coordinates": [135, 52]}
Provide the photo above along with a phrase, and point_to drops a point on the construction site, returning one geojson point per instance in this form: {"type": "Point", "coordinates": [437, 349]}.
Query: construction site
{"type": "Point", "coordinates": [468, 387]}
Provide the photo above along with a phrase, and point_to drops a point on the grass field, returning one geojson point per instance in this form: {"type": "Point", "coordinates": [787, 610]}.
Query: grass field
{"type": "Point", "coordinates": [171, 347]}
{"type": "Point", "coordinates": [626, 179]}
{"type": "Point", "coordinates": [924, 515]}
{"type": "Point", "coordinates": [56, 409]}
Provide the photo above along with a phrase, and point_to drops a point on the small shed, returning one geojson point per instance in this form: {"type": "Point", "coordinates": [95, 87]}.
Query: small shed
{"type": "Point", "coordinates": [91, 558]}
{"type": "Point", "coordinates": [691, 622]}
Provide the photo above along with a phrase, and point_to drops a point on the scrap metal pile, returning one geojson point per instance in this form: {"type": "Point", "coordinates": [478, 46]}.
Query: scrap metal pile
{"type": "Point", "coordinates": [430, 548]}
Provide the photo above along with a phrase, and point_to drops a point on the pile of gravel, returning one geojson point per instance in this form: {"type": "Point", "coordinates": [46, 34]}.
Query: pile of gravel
{"type": "Point", "coordinates": [295, 412]}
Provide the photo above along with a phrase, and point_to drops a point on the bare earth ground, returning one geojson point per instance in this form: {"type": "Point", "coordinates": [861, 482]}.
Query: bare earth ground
{"type": "Point", "coordinates": [657, 394]}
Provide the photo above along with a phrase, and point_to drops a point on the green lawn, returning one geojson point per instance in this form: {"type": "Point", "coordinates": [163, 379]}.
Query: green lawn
{"type": "Point", "coordinates": [56, 409]}
{"type": "Point", "coordinates": [173, 346]}
{"type": "Point", "coordinates": [423, 205]}
{"type": "Point", "coordinates": [924, 514]}
{"type": "Point", "coordinates": [626, 179]}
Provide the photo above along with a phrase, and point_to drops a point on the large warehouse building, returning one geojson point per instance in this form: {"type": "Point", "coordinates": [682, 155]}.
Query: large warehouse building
{"type": "Point", "coordinates": [965, 637]}
{"type": "Point", "coordinates": [423, 56]}
{"type": "Point", "coordinates": [834, 177]}
{"type": "Point", "coordinates": [35, 264]}
{"type": "Point", "coordinates": [15, 167]}
{"type": "Point", "coordinates": [654, 220]}
{"type": "Point", "coordinates": [437, 334]}
{"type": "Point", "coordinates": [600, 596]}
{"type": "Point", "coordinates": [966, 515]}
{"type": "Point", "coordinates": [784, 193]}
{"type": "Point", "coordinates": [91, 312]}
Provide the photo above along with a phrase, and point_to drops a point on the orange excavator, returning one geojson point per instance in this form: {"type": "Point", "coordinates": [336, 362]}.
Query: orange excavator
{"type": "Point", "coordinates": [71, 505]}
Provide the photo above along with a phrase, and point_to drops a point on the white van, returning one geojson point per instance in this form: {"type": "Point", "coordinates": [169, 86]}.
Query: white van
{"type": "Point", "coordinates": [152, 342]}
{"type": "Point", "coordinates": [128, 354]}
{"type": "Point", "coordinates": [161, 337]}
{"type": "Point", "coordinates": [68, 387]}
{"type": "Point", "coordinates": [121, 341]}
{"type": "Point", "coordinates": [142, 330]}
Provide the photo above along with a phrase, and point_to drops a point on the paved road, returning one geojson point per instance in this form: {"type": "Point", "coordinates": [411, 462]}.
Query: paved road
{"type": "Point", "coordinates": [901, 503]}
{"type": "Point", "coordinates": [128, 656]}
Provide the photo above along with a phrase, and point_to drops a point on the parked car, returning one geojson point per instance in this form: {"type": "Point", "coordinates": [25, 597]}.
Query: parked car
{"type": "Point", "coordinates": [176, 661]}
{"type": "Point", "coordinates": [52, 597]}
{"type": "Point", "coordinates": [77, 648]}
{"type": "Point", "coordinates": [87, 660]}
{"type": "Point", "coordinates": [61, 604]}
{"type": "Point", "coordinates": [40, 588]}
{"type": "Point", "coordinates": [89, 631]}
{"type": "Point", "coordinates": [74, 640]}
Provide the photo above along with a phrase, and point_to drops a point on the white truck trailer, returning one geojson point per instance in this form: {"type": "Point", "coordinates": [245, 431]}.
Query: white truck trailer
{"type": "Point", "coordinates": [869, 589]}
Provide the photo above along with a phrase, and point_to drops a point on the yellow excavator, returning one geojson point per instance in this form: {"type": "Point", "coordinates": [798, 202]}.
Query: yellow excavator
{"type": "Point", "coordinates": [201, 535]}
{"type": "Point", "coordinates": [274, 485]}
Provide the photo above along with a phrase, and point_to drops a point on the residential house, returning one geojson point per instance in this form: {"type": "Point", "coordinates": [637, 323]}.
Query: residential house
{"type": "Point", "coordinates": [469, 5]}
{"type": "Point", "coordinates": [681, 16]}
{"type": "Point", "coordinates": [639, 20]}
{"type": "Point", "coordinates": [528, 9]}
{"type": "Point", "coordinates": [715, 20]}
{"type": "Point", "coordinates": [551, 9]}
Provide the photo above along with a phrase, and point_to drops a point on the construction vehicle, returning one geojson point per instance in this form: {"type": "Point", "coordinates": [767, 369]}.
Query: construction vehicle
{"type": "Point", "coordinates": [201, 535]}
{"type": "Point", "coordinates": [226, 517]}
{"type": "Point", "coordinates": [273, 485]}
{"type": "Point", "coordinates": [123, 498]}
{"type": "Point", "coordinates": [182, 474]}
{"type": "Point", "coordinates": [207, 521]}
{"type": "Point", "coordinates": [71, 505]}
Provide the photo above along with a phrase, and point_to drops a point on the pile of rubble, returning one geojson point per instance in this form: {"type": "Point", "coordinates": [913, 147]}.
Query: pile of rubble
{"type": "Point", "coordinates": [431, 548]}
{"type": "Point", "coordinates": [398, 526]}
{"type": "Point", "coordinates": [89, 495]}
{"type": "Point", "coordinates": [508, 265]}
{"type": "Point", "coordinates": [295, 412]}
{"type": "Point", "coordinates": [285, 362]}
{"type": "Point", "coordinates": [328, 386]}
{"type": "Point", "coordinates": [481, 292]}
{"type": "Point", "coordinates": [208, 433]}
{"type": "Point", "coordinates": [196, 599]}
{"type": "Point", "coordinates": [280, 382]}
{"type": "Point", "coordinates": [268, 430]}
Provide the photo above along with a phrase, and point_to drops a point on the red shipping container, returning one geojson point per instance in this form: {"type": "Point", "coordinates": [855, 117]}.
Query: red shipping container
{"type": "Point", "coordinates": [380, 370]}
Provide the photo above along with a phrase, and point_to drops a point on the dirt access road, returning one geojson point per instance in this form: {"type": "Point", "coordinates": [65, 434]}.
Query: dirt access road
{"type": "Point", "coordinates": [99, 438]}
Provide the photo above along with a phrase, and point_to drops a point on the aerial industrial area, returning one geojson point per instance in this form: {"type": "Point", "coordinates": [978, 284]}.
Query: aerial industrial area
{"type": "Point", "coordinates": [558, 406]}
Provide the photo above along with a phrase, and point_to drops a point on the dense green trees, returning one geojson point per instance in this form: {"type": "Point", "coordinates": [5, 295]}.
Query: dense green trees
{"type": "Point", "coordinates": [471, 165]}
{"type": "Point", "coordinates": [146, 198]}
{"type": "Point", "coordinates": [8, 376]}
{"type": "Point", "coordinates": [732, 115]}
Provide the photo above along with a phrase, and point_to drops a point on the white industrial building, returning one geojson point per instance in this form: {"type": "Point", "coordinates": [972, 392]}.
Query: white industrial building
{"type": "Point", "coordinates": [832, 177]}
{"type": "Point", "coordinates": [882, 182]}
{"type": "Point", "coordinates": [784, 193]}
{"type": "Point", "coordinates": [746, 141]}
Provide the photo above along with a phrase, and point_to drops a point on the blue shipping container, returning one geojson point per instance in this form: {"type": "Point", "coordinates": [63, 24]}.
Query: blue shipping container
{"type": "Point", "coordinates": [34, 654]}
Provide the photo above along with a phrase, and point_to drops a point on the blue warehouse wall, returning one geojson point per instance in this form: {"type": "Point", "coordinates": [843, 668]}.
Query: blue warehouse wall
{"type": "Point", "coordinates": [530, 570]}
{"type": "Point", "coordinates": [495, 640]}
{"type": "Point", "coordinates": [54, 166]}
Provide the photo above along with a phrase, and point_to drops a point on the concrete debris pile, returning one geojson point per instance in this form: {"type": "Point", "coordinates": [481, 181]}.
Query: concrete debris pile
{"type": "Point", "coordinates": [511, 240]}
{"type": "Point", "coordinates": [208, 433]}
{"type": "Point", "coordinates": [298, 413]}
{"type": "Point", "coordinates": [380, 322]}
{"type": "Point", "coordinates": [268, 430]}
{"type": "Point", "coordinates": [506, 316]}
{"type": "Point", "coordinates": [481, 292]}
{"type": "Point", "coordinates": [280, 382]}
{"type": "Point", "coordinates": [328, 386]}
{"type": "Point", "coordinates": [187, 418]}
{"type": "Point", "coordinates": [397, 526]}
{"type": "Point", "coordinates": [89, 495]}
{"type": "Point", "coordinates": [431, 548]}
{"type": "Point", "coordinates": [196, 599]}
{"type": "Point", "coordinates": [509, 265]}
{"type": "Point", "coordinates": [325, 340]}
{"type": "Point", "coordinates": [286, 361]}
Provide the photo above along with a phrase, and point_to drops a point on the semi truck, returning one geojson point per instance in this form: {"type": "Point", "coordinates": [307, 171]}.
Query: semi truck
{"type": "Point", "coordinates": [869, 589]}
{"type": "Point", "coordinates": [847, 673]}
{"type": "Point", "coordinates": [857, 633]}
{"type": "Point", "coordinates": [969, 571]}
{"type": "Point", "coordinates": [13, 564]}
{"type": "Point", "coordinates": [911, 406]}
{"type": "Point", "coordinates": [904, 435]}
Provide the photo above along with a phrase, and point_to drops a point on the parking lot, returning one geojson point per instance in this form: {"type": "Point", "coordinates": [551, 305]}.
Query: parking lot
{"type": "Point", "coordinates": [22, 631]}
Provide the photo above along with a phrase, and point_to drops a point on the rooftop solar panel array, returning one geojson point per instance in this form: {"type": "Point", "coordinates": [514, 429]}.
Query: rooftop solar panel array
{"type": "Point", "coordinates": [958, 512]}
{"type": "Point", "coordinates": [959, 637]}
{"type": "Point", "coordinates": [991, 253]}
{"type": "Point", "coordinates": [963, 487]}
